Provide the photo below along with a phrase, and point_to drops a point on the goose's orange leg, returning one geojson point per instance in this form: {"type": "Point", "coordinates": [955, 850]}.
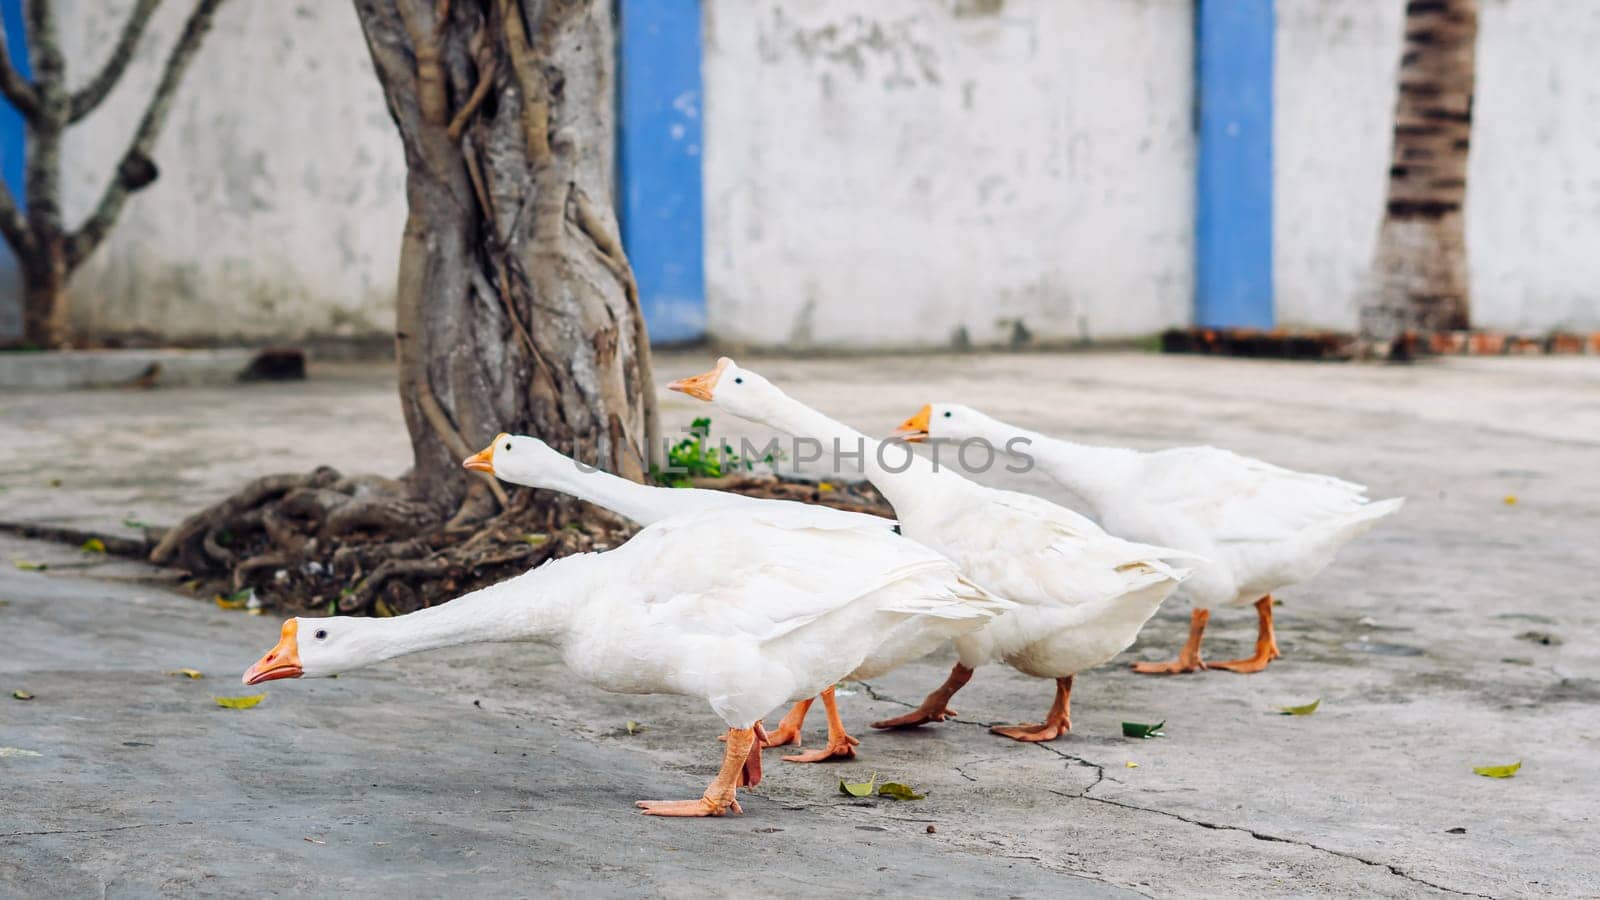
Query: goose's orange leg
{"type": "Point", "coordinates": [750, 775]}
{"type": "Point", "coordinates": [933, 708]}
{"type": "Point", "coordinates": [1057, 721]}
{"type": "Point", "coordinates": [840, 744]}
{"type": "Point", "coordinates": [720, 797]}
{"type": "Point", "coordinates": [1189, 657]}
{"type": "Point", "coordinates": [788, 730]}
{"type": "Point", "coordinates": [1266, 644]}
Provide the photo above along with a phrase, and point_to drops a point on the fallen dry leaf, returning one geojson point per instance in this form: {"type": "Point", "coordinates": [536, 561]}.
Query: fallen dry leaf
{"type": "Point", "coordinates": [894, 790]}
{"type": "Point", "coordinates": [1498, 771]}
{"type": "Point", "coordinates": [1141, 730]}
{"type": "Point", "coordinates": [859, 788]}
{"type": "Point", "coordinates": [239, 702]}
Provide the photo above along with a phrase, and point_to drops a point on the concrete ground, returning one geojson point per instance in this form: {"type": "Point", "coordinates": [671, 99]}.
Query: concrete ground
{"type": "Point", "coordinates": [1461, 633]}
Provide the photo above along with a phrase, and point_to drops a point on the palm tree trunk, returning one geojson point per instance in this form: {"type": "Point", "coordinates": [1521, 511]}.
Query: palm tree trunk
{"type": "Point", "coordinates": [1420, 280]}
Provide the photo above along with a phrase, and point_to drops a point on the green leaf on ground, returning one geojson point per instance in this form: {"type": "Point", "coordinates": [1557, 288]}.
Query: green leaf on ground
{"type": "Point", "coordinates": [1141, 730]}
{"type": "Point", "coordinates": [1306, 710]}
{"type": "Point", "coordinates": [131, 522]}
{"type": "Point", "coordinates": [897, 791]}
{"type": "Point", "coordinates": [1498, 771]}
{"type": "Point", "coordinates": [93, 545]}
{"type": "Point", "coordinates": [859, 788]}
{"type": "Point", "coordinates": [239, 702]}
{"type": "Point", "coordinates": [17, 751]}
{"type": "Point", "coordinates": [22, 695]}
{"type": "Point", "coordinates": [235, 600]}
{"type": "Point", "coordinates": [187, 673]}
{"type": "Point", "coordinates": [26, 566]}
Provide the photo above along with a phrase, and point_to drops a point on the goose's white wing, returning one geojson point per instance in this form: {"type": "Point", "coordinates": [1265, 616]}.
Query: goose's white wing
{"type": "Point", "coordinates": [1021, 546]}
{"type": "Point", "coordinates": [764, 571]}
{"type": "Point", "coordinates": [1235, 498]}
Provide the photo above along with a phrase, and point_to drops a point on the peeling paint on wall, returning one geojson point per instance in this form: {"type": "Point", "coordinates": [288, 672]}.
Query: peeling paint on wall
{"type": "Point", "coordinates": [910, 173]}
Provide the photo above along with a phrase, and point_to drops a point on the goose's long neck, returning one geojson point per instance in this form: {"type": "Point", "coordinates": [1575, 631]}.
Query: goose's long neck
{"type": "Point", "coordinates": [640, 503]}
{"type": "Point", "coordinates": [1084, 469]}
{"type": "Point", "coordinates": [903, 477]}
{"type": "Point", "coordinates": [535, 605]}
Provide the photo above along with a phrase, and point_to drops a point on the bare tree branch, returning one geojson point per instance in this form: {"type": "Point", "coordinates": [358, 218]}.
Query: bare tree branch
{"type": "Point", "coordinates": [13, 225]}
{"type": "Point", "coordinates": [92, 94]}
{"type": "Point", "coordinates": [136, 169]}
{"type": "Point", "coordinates": [42, 185]}
{"type": "Point", "coordinates": [12, 84]}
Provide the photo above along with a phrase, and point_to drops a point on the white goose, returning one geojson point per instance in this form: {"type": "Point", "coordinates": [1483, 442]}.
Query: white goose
{"type": "Point", "coordinates": [1083, 595]}
{"type": "Point", "coordinates": [1259, 527]}
{"type": "Point", "coordinates": [745, 609]}
{"type": "Point", "coordinates": [525, 460]}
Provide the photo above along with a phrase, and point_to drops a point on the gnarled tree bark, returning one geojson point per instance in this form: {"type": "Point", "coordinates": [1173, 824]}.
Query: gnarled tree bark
{"type": "Point", "coordinates": [1419, 279]}
{"type": "Point", "coordinates": [516, 307]}
{"type": "Point", "coordinates": [515, 311]}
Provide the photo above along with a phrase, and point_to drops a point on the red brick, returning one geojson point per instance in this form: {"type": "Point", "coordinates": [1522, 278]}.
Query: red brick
{"type": "Point", "coordinates": [1487, 343]}
{"type": "Point", "coordinates": [1566, 342]}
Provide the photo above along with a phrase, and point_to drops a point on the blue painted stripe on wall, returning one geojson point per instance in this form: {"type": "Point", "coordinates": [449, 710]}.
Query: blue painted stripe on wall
{"type": "Point", "coordinates": [659, 160]}
{"type": "Point", "coordinates": [13, 150]}
{"type": "Point", "coordinates": [1233, 218]}
{"type": "Point", "coordinates": [12, 133]}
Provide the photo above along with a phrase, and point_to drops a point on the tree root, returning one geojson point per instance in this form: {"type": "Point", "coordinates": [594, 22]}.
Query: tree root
{"type": "Point", "coordinates": [324, 544]}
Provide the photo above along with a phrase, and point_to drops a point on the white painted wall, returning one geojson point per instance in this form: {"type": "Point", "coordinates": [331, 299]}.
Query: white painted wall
{"type": "Point", "coordinates": [1333, 117]}
{"type": "Point", "coordinates": [885, 174]}
{"type": "Point", "coordinates": [892, 173]}
{"type": "Point", "coordinates": [282, 191]}
{"type": "Point", "coordinates": [1533, 201]}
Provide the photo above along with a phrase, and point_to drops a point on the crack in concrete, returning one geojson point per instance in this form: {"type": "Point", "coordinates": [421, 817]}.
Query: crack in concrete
{"type": "Point", "coordinates": [134, 827]}
{"type": "Point", "coordinates": [1100, 776]}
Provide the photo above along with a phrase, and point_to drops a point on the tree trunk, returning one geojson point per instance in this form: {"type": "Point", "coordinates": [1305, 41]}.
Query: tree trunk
{"type": "Point", "coordinates": [516, 309]}
{"type": "Point", "coordinates": [1420, 278]}
{"type": "Point", "coordinates": [44, 297]}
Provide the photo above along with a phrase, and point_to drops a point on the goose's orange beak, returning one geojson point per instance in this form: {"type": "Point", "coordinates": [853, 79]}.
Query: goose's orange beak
{"type": "Point", "coordinates": [483, 460]}
{"type": "Point", "coordinates": [701, 386]}
{"type": "Point", "coordinates": [282, 661]}
{"type": "Point", "coordinates": [915, 429]}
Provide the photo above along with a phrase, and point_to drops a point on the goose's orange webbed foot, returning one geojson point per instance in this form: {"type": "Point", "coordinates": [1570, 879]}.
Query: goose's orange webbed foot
{"type": "Point", "coordinates": [840, 744]}
{"type": "Point", "coordinates": [720, 796]}
{"type": "Point", "coordinates": [1189, 657]}
{"type": "Point", "coordinates": [1266, 644]}
{"type": "Point", "coordinates": [684, 809]}
{"type": "Point", "coordinates": [1057, 722]}
{"type": "Point", "coordinates": [788, 730]}
{"type": "Point", "coordinates": [935, 707]}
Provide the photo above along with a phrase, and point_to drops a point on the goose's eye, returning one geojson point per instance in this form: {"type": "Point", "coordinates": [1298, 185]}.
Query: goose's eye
{"type": "Point", "coordinates": [508, 446]}
{"type": "Point", "coordinates": [738, 381]}
{"type": "Point", "coordinates": [947, 414]}
{"type": "Point", "coordinates": [322, 634]}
